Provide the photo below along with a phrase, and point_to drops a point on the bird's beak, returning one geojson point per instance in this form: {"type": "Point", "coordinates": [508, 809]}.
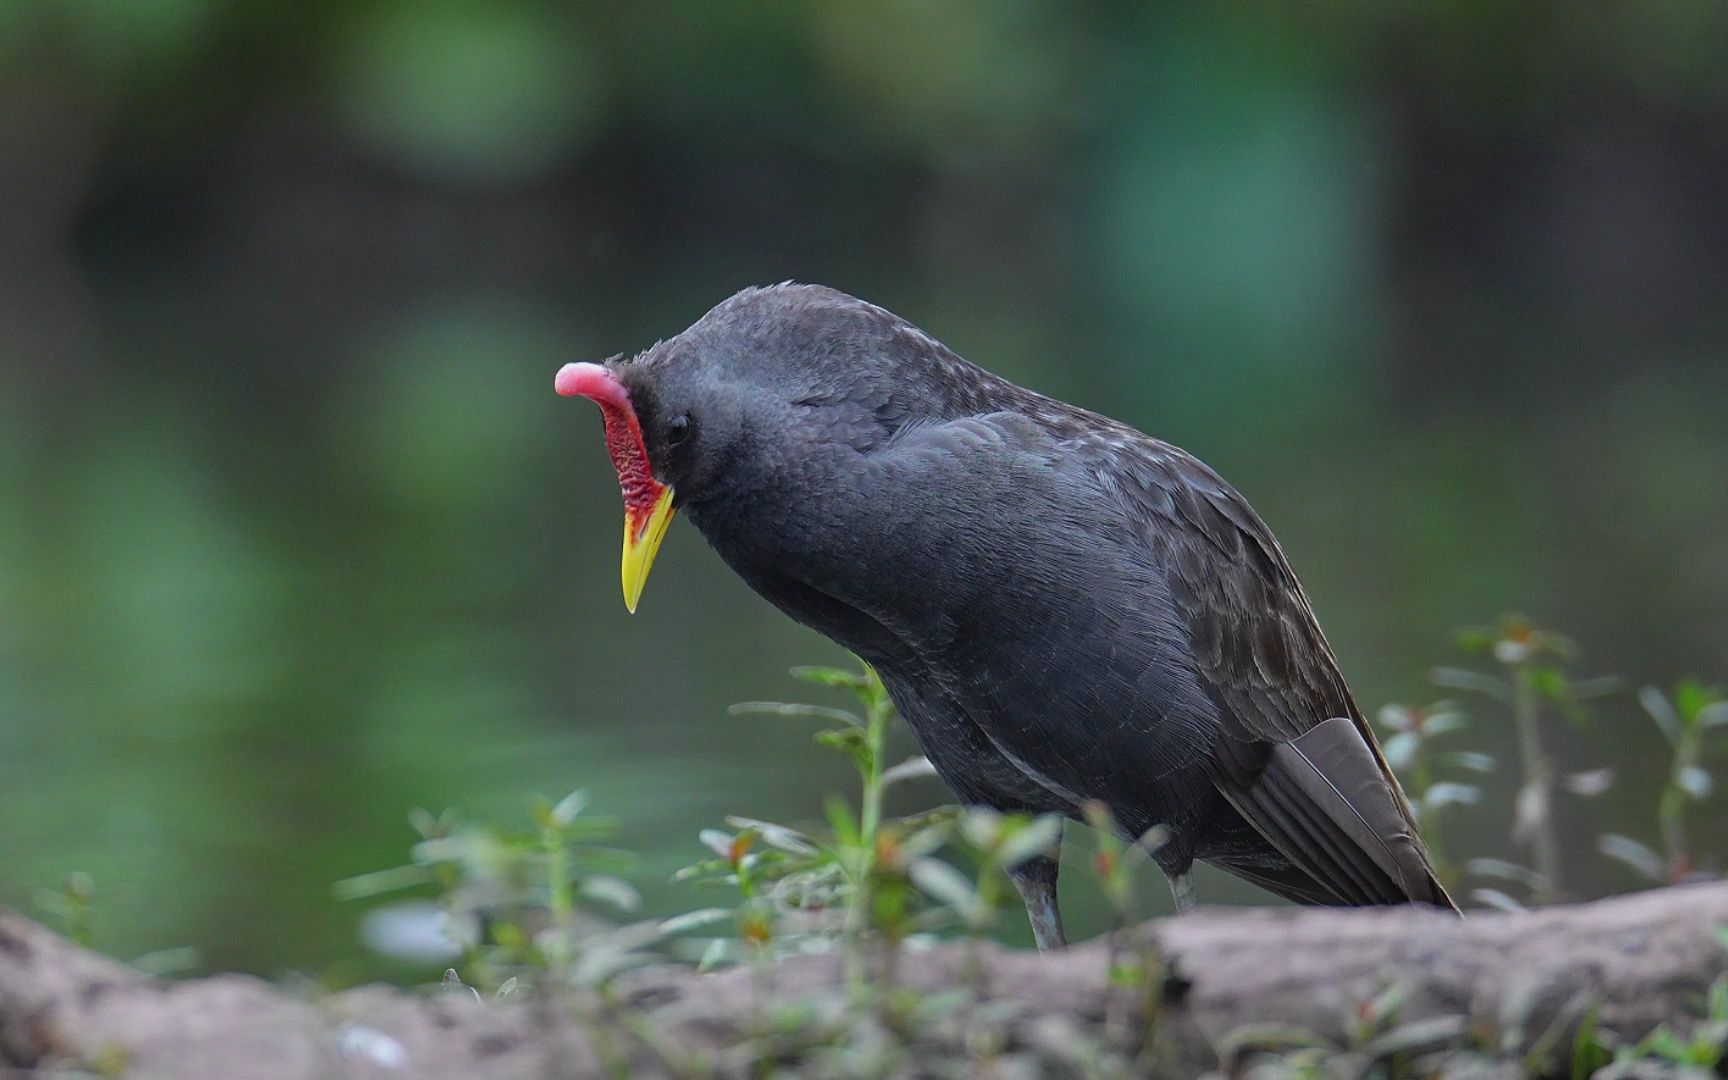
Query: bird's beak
{"type": "Point", "coordinates": [643, 531]}
{"type": "Point", "coordinates": [648, 504]}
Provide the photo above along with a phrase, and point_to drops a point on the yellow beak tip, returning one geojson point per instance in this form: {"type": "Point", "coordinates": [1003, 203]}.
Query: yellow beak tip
{"type": "Point", "coordinates": [641, 542]}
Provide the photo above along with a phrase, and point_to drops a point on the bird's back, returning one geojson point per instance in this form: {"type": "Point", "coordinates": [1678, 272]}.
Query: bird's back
{"type": "Point", "coordinates": [1120, 625]}
{"type": "Point", "coordinates": [1066, 609]}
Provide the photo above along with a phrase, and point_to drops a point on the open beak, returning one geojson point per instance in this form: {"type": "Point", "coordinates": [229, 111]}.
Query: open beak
{"type": "Point", "coordinates": [648, 504]}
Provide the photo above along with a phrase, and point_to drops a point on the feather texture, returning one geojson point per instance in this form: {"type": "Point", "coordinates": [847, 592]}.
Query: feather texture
{"type": "Point", "coordinates": [1064, 608]}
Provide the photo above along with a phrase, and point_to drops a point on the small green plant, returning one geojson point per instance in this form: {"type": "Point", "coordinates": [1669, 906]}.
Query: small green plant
{"type": "Point", "coordinates": [1533, 670]}
{"type": "Point", "coordinates": [882, 877]}
{"type": "Point", "coordinates": [1135, 978]}
{"type": "Point", "coordinates": [1700, 1045]}
{"type": "Point", "coordinates": [1686, 719]}
{"type": "Point", "coordinates": [1376, 1044]}
{"type": "Point", "coordinates": [1409, 734]}
{"type": "Point", "coordinates": [537, 908]}
{"type": "Point", "coordinates": [994, 843]}
{"type": "Point", "coordinates": [514, 899]}
{"type": "Point", "coordinates": [73, 906]}
{"type": "Point", "coordinates": [798, 891]}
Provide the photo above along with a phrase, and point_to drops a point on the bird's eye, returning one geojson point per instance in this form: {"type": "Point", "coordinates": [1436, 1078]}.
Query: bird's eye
{"type": "Point", "coordinates": [678, 430]}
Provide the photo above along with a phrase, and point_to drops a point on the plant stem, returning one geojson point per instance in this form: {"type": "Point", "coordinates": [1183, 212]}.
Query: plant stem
{"type": "Point", "coordinates": [878, 710]}
{"type": "Point", "coordinates": [989, 886]}
{"type": "Point", "coordinates": [559, 903]}
{"type": "Point", "coordinates": [1539, 779]}
{"type": "Point", "coordinates": [1422, 779]}
{"type": "Point", "coordinates": [1115, 1018]}
{"type": "Point", "coordinates": [1672, 809]}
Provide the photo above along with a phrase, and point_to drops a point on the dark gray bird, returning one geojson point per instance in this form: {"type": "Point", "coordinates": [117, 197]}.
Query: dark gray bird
{"type": "Point", "coordinates": [1063, 608]}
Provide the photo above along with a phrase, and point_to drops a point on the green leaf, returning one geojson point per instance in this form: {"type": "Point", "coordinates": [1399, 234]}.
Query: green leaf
{"type": "Point", "coordinates": [540, 809]}
{"type": "Point", "coordinates": [1417, 1034]}
{"type": "Point", "coordinates": [714, 954]}
{"type": "Point", "coordinates": [1028, 839]}
{"type": "Point", "coordinates": [913, 768]}
{"type": "Point", "coordinates": [1550, 682]}
{"type": "Point", "coordinates": [807, 712]}
{"type": "Point", "coordinates": [981, 827]}
{"type": "Point", "coordinates": [1695, 781]}
{"type": "Point", "coordinates": [1473, 681]}
{"type": "Point", "coordinates": [1394, 718]}
{"type": "Point", "coordinates": [1588, 1051]}
{"type": "Point", "coordinates": [1470, 759]}
{"type": "Point", "coordinates": [1099, 817]}
{"type": "Point", "coordinates": [1598, 686]}
{"type": "Point", "coordinates": [1715, 715]}
{"type": "Point", "coordinates": [1441, 721]}
{"type": "Point", "coordinates": [1692, 697]}
{"type": "Point", "coordinates": [1386, 1004]}
{"type": "Point", "coordinates": [165, 962]}
{"type": "Point", "coordinates": [1477, 639]}
{"type": "Point", "coordinates": [1127, 973]}
{"type": "Point", "coordinates": [569, 808]}
{"type": "Point", "coordinates": [1496, 899]}
{"type": "Point", "coordinates": [1506, 871]}
{"type": "Point", "coordinates": [452, 984]}
{"type": "Point", "coordinates": [694, 920]}
{"type": "Point", "coordinates": [1267, 1038]}
{"type": "Point", "coordinates": [851, 742]}
{"type": "Point", "coordinates": [614, 891]}
{"type": "Point", "coordinates": [718, 841]}
{"type": "Point", "coordinates": [1634, 854]}
{"type": "Point", "coordinates": [1400, 750]}
{"type": "Point", "coordinates": [840, 819]}
{"type": "Point", "coordinates": [1153, 839]}
{"type": "Point", "coordinates": [1661, 712]}
{"type": "Point", "coordinates": [778, 836]}
{"type": "Point", "coordinates": [945, 885]}
{"type": "Point", "coordinates": [709, 871]}
{"type": "Point", "coordinates": [1590, 783]}
{"type": "Point", "coordinates": [361, 886]}
{"type": "Point", "coordinates": [422, 822]}
{"type": "Point", "coordinates": [839, 678]}
{"type": "Point", "coordinates": [1447, 793]}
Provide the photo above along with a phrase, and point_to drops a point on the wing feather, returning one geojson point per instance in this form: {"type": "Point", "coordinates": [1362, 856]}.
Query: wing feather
{"type": "Point", "coordinates": [1296, 757]}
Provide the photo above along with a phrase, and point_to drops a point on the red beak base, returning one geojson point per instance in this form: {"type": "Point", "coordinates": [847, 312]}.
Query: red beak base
{"type": "Point", "coordinates": [624, 444]}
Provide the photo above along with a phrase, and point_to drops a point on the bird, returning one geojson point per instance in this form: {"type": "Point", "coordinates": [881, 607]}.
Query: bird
{"type": "Point", "coordinates": [1066, 611]}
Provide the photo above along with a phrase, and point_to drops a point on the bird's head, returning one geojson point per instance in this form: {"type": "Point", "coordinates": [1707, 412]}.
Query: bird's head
{"type": "Point", "coordinates": [766, 381]}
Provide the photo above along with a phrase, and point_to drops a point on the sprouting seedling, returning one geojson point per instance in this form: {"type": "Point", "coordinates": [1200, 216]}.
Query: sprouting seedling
{"type": "Point", "coordinates": [555, 821]}
{"type": "Point", "coordinates": [860, 736]}
{"type": "Point", "coordinates": [73, 905]}
{"type": "Point", "coordinates": [995, 843]}
{"type": "Point", "coordinates": [755, 919]}
{"type": "Point", "coordinates": [511, 896]}
{"type": "Point", "coordinates": [750, 860]}
{"type": "Point", "coordinates": [1533, 664]}
{"type": "Point", "coordinates": [1410, 731]}
{"type": "Point", "coordinates": [1701, 1050]}
{"type": "Point", "coordinates": [1686, 720]}
{"type": "Point", "coordinates": [1133, 983]}
{"type": "Point", "coordinates": [1109, 862]}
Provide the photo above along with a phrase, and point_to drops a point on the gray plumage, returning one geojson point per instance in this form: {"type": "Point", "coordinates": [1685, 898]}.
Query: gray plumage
{"type": "Point", "coordinates": [1063, 608]}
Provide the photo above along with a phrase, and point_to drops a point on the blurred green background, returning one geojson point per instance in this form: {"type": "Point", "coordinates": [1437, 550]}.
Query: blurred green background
{"type": "Point", "coordinates": [294, 535]}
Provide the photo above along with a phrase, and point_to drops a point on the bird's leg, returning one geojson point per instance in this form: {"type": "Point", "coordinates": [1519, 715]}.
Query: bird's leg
{"type": "Point", "coordinates": [1036, 880]}
{"type": "Point", "coordinates": [1182, 888]}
